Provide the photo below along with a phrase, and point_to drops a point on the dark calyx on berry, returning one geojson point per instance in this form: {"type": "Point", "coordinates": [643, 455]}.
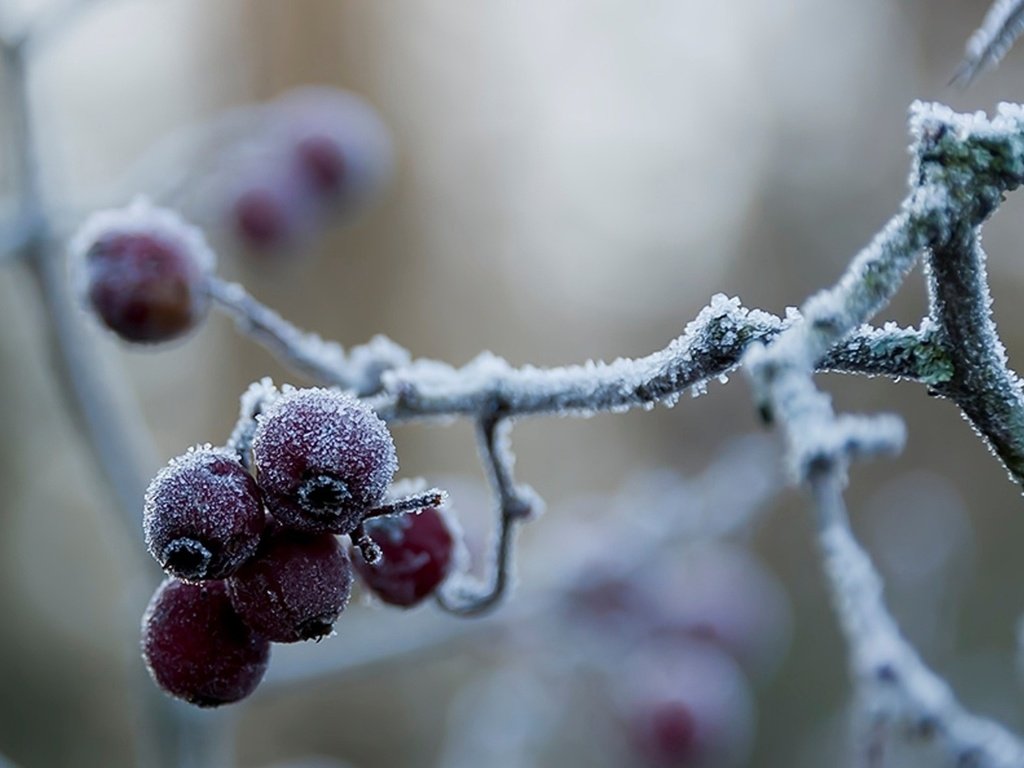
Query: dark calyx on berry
{"type": "Point", "coordinates": [323, 460]}
{"type": "Point", "coordinates": [296, 586]}
{"type": "Point", "coordinates": [322, 494]}
{"type": "Point", "coordinates": [416, 556]}
{"type": "Point", "coordinates": [203, 515]}
{"type": "Point", "coordinates": [197, 648]}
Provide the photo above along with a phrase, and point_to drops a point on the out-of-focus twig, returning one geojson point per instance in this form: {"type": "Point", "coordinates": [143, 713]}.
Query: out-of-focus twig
{"type": "Point", "coordinates": [1002, 25]}
{"type": "Point", "coordinates": [963, 166]}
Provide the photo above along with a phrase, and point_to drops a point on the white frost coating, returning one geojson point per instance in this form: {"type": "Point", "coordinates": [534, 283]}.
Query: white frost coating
{"type": "Point", "coordinates": [143, 218]}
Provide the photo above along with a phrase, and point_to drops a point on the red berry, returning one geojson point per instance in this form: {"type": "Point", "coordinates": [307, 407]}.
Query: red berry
{"type": "Point", "coordinates": [269, 209]}
{"type": "Point", "coordinates": [203, 515]}
{"type": "Point", "coordinates": [143, 272]}
{"type": "Point", "coordinates": [295, 588]}
{"type": "Point", "coordinates": [197, 648]}
{"type": "Point", "coordinates": [416, 556]}
{"type": "Point", "coordinates": [322, 162]}
{"type": "Point", "coordinates": [339, 145]}
{"type": "Point", "coordinates": [260, 218]}
{"type": "Point", "coordinates": [666, 731]}
{"type": "Point", "coordinates": [323, 459]}
{"type": "Point", "coordinates": [687, 705]}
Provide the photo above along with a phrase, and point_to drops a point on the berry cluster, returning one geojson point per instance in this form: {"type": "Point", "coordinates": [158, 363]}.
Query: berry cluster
{"type": "Point", "coordinates": [254, 560]}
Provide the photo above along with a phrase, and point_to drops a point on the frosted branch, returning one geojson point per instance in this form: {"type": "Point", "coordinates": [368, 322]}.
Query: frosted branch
{"type": "Point", "coordinates": [987, 391]}
{"type": "Point", "coordinates": [895, 684]}
{"type": "Point", "coordinates": [1002, 25]}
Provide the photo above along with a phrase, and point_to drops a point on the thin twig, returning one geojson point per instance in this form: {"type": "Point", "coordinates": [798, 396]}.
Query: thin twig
{"type": "Point", "coordinates": [516, 503]}
{"type": "Point", "coordinates": [324, 362]}
{"type": "Point", "coordinates": [1002, 25]}
{"type": "Point", "coordinates": [897, 685]}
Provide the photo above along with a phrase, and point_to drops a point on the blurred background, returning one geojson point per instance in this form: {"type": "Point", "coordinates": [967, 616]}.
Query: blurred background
{"type": "Point", "coordinates": [572, 180]}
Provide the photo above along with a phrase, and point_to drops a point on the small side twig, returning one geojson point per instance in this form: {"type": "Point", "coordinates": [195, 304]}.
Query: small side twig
{"type": "Point", "coordinates": [252, 403]}
{"type": "Point", "coordinates": [1002, 25]}
{"type": "Point", "coordinates": [515, 503]}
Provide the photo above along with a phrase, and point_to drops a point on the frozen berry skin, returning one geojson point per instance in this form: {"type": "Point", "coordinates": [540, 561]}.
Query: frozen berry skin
{"type": "Point", "coordinates": [143, 272]}
{"type": "Point", "coordinates": [296, 586]}
{"type": "Point", "coordinates": [203, 515]}
{"type": "Point", "coordinates": [416, 556]}
{"type": "Point", "coordinates": [197, 648]}
{"type": "Point", "coordinates": [323, 459]}
{"type": "Point", "coordinates": [686, 705]}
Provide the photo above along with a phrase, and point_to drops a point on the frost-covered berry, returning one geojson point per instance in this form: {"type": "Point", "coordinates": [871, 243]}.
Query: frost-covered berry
{"type": "Point", "coordinates": [338, 144]}
{"type": "Point", "coordinates": [416, 556]}
{"type": "Point", "coordinates": [322, 162]}
{"type": "Point", "coordinates": [723, 594]}
{"type": "Point", "coordinates": [269, 206]}
{"type": "Point", "coordinates": [262, 219]}
{"type": "Point", "coordinates": [296, 586]}
{"type": "Point", "coordinates": [203, 515]}
{"type": "Point", "coordinates": [322, 459]}
{"type": "Point", "coordinates": [143, 271]}
{"type": "Point", "coordinates": [686, 706]}
{"type": "Point", "coordinates": [197, 648]}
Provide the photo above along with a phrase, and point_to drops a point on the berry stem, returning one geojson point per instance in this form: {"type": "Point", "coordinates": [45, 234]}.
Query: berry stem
{"type": "Point", "coordinates": [515, 504]}
{"type": "Point", "coordinates": [324, 362]}
{"type": "Point", "coordinates": [368, 548]}
{"type": "Point", "coordinates": [252, 403]}
{"type": "Point", "coordinates": [435, 497]}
